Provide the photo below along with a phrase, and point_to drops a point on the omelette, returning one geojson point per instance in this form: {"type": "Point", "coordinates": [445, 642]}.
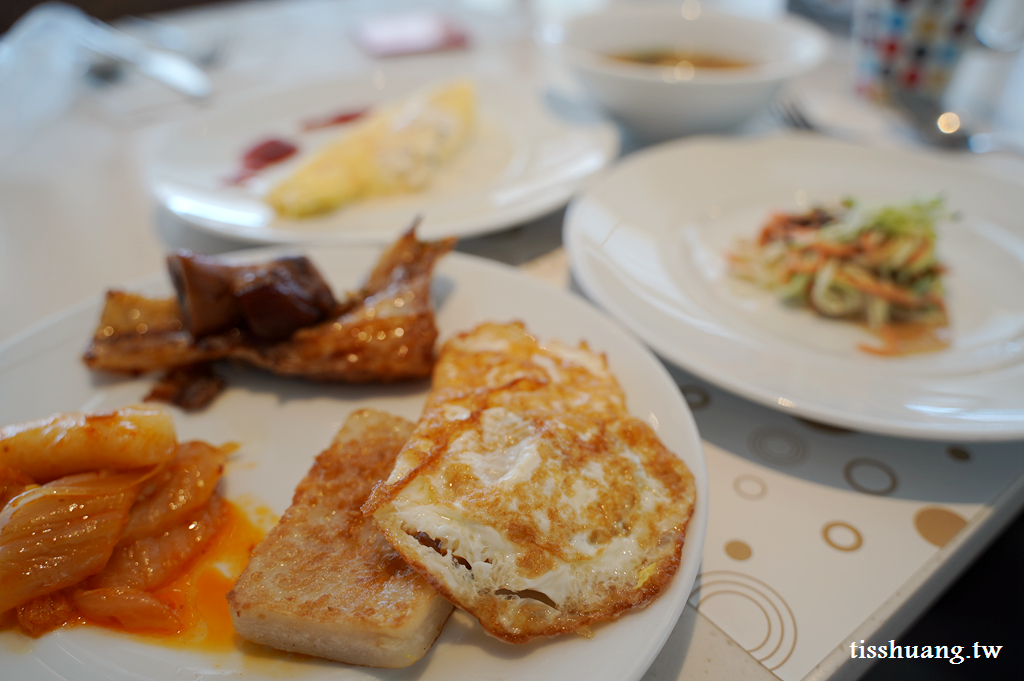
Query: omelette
{"type": "Point", "coordinates": [396, 149]}
{"type": "Point", "coordinates": [528, 495]}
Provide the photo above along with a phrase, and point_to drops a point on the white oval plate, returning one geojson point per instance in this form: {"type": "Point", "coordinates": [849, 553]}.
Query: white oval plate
{"type": "Point", "coordinates": [522, 162]}
{"type": "Point", "coordinates": [648, 243]}
{"type": "Point", "coordinates": [282, 424]}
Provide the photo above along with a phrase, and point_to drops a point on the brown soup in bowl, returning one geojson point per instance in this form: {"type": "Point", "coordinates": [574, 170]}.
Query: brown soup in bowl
{"type": "Point", "coordinates": [674, 58]}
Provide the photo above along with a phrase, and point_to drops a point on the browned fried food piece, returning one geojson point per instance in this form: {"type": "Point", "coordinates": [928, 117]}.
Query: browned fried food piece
{"type": "Point", "coordinates": [384, 332]}
{"type": "Point", "coordinates": [528, 495]}
{"type": "Point", "coordinates": [137, 334]}
{"type": "Point", "coordinates": [191, 387]}
{"type": "Point", "coordinates": [269, 299]}
{"type": "Point", "coordinates": [325, 582]}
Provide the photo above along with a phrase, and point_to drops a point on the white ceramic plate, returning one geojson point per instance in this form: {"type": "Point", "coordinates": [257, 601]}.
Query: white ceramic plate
{"type": "Point", "coordinates": [282, 424]}
{"type": "Point", "coordinates": [648, 242]}
{"type": "Point", "coordinates": [522, 162]}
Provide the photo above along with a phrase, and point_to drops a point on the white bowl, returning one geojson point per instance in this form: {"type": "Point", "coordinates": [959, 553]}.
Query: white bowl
{"type": "Point", "coordinates": [659, 102]}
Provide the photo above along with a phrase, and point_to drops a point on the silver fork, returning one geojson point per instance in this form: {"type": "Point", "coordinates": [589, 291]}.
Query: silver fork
{"type": "Point", "coordinates": [789, 111]}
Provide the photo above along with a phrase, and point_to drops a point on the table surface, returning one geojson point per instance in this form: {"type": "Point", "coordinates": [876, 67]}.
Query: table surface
{"type": "Point", "coordinates": [798, 563]}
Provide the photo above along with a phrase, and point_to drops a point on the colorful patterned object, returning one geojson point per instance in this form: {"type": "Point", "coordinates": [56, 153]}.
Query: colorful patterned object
{"type": "Point", "coordinates": [912, 45]}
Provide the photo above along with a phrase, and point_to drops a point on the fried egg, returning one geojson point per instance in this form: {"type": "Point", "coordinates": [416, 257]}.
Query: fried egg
{"type": "Point", "coordinates": [528, 495]}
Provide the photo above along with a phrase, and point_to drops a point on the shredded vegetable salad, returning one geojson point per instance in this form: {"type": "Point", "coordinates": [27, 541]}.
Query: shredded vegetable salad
{"type": "Point", "coordinates": [874, 265]}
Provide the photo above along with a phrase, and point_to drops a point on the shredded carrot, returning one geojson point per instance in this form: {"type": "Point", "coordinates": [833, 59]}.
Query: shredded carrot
{"type": "Point", "coordinates": [882, 255]}
{"type": "Point", "coordinates": [882, 289]}
{"type": "Point", "coordinates": [834, 250]}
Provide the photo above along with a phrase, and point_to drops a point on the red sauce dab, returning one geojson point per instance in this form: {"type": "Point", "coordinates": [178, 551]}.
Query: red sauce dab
{"type": "Point", "coordinates": [258, 157]}
{"type": "Point", "coordinates": [334, 119]}
{"type": "Point", "coordinates": [267, 153]}
{"type": "Point", "coordinates": [274, 150]}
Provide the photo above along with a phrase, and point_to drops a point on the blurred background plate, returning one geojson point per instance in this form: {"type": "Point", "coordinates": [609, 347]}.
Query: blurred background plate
{"type": "Point", "coordinates": [649, 243]}
{"type": "Point", "coordinates": [523, 161]}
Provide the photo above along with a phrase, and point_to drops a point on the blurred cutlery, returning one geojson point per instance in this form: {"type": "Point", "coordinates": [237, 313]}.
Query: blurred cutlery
{"type": "Point", "coordinates": [793, 116]}
{"type": "Point", "coordinates": [943, 128]}
{"type": "Point", "coordinates": [169, 68]}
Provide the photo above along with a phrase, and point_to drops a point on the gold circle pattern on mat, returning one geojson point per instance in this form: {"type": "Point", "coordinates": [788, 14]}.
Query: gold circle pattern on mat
{"type": "Point", "coordinates": [872, 468]}
{"type": "Point", "coordinates": [959, 453]}
{"type": "Point", "coordinates": [938, 525]}
{"type": "Point", "coordinates": [738, 550]}
{"type": "Point", "coordinates": [823, 427]}
{"type": "Point", "coordinates": [777, 446]}
{"type": "Point", "coordinates": [772, 641]}
{"type": "Point", "coordinates": [749, 486]}
{"type": "Point", "coordinates": [756, 630]}
{"type": "Point", "coordinates": [833, 535]}
{"type": "Point", "coordinates": [696, 396]}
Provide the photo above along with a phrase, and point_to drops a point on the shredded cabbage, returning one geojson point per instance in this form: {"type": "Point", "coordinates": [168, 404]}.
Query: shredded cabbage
{"type": "Point", "coordinates": [875, 264]}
